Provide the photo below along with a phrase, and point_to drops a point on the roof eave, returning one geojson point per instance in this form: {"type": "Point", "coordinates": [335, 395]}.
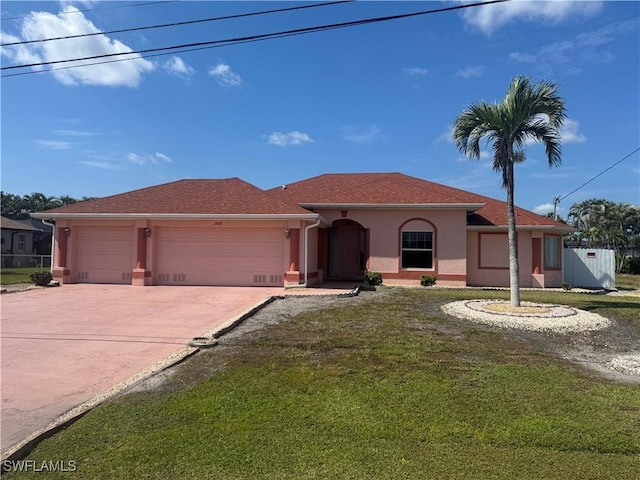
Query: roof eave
{"type": "Point", "coordinates": [469, 207]}
{"type": "Point", "coordinates": [521, 227]}
{"type": "Point", "coordinates": [174, 216]}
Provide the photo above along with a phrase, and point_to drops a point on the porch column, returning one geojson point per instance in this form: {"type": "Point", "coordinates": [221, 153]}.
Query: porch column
{"type": "Point", "coordinates": [294, 249]}
{"type": "Point", "coordinates": [537, 279]}
{"type": "Point", "coordinates": [293, 274]}
{"type": "Point", "coordinates": [60, 272]}
{"type": "Point", "coordinates": [140, 276]}
{"type": "Point", "coordinates": [141, 261]}
{"type": "Point", "coordinates": [536, 249]}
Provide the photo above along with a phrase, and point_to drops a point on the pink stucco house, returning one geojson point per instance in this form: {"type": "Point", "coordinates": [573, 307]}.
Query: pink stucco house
{"type": "Point", "coordinates": [330, 227]}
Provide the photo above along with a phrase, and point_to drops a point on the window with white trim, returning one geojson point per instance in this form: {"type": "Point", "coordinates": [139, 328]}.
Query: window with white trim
{"type": "Point", "coordinates": [551, 252]}
{"type": "Point", "coordinates": [20, 243]}
{"type": "Point", "coordinates": [417, 249]}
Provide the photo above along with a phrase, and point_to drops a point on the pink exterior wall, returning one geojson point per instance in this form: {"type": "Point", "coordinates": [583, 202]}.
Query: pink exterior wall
{"type": "Point", "coordinates": [144, 276]}
{"type": "Point", "coordinates": [384, 241]}
{"type": "Point", "coordinates": [499, 277]}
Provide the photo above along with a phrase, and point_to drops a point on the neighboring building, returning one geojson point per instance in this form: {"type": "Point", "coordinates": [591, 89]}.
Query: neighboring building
{"type": "Point", "coordinates": [330, 227]}
{"type": "Point", "coordinates": [18, 240]}
{"type": "Point", "coordinates": [42, 239]}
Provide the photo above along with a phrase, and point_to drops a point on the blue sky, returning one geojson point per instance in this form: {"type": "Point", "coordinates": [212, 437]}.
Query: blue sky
{"type": "Point", "coordinates": [373, 98]}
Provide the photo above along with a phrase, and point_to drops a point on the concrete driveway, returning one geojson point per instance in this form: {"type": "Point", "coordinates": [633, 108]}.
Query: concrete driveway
{"type": "Point", "coordinates": [63, 346]}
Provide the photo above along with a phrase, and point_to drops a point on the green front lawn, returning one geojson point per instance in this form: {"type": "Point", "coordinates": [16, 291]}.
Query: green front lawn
{"type": "Point", "coordinates": [14, 276]}
{"type": "Point", "coordinates": [625, 281]}
{"type": "Point", "coordinates": [388, 388]}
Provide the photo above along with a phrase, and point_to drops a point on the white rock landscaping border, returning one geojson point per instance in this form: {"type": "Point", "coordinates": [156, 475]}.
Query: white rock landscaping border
{"type": "Point", "coordinates": [559, 318]}
{"type": "Point", "coordinates": [628, 364]}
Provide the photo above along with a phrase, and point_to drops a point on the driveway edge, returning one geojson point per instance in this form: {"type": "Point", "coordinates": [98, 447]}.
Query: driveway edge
{"type": "Point", "coordinates": [26, 446]}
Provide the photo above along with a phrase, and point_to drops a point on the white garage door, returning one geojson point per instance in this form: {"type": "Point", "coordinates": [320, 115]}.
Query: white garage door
{"type": "Point", "coordinates": [219, 257]}
{"type": "Point", "coordinates": [104, 254]}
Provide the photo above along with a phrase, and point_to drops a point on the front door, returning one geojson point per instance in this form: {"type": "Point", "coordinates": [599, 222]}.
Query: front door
{"type": "Point", "coordinates": [347, 250]}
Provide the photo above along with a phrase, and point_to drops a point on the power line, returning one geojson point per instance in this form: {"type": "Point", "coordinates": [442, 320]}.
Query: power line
{"type": "Point", "coordinates": [592, 179]}
{"type": "Point", "coordinates": [177, 24]}
{"type": "Point", "coordinates": [265, 36]}
{"type": "Point", "coordinates": [95, 9]}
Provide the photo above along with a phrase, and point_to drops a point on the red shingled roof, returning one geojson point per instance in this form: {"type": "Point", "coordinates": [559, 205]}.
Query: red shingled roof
{"type": "Point", "coordinates": [397, 188]}
{"type": "Point", "coordinates": [233, 196]}
{"type": "Point", "coordinates": [230, 196]}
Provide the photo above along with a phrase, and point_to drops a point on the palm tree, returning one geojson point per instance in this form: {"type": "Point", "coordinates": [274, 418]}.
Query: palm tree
{"type": "Point", "coordinates": [527, 112]}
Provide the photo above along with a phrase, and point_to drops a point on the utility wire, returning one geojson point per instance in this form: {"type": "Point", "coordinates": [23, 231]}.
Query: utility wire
{"type": "Point", "coordinates": [146, 56]}
{"type": "Point", "coordinates": [95, 9]}
{"type": "Point", "coordinates": [265, 36]}
{"type": "Point", "coordinates": [592, 179]}
{"type": "Point", "coordinates": [176, 24]}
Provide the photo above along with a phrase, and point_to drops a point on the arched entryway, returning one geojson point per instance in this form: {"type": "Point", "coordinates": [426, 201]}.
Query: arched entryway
{"type": "Point", "coordinates": [348, 250]}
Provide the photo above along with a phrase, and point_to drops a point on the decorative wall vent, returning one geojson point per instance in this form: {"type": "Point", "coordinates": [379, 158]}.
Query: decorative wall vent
{"type": "Point", "coordinates": [126, 276]}
{"type": "Point", "coordinates": [276, 279]}
{"type": "Point", "coordinates": [82, 275]}
{"type": "Point", "coordinates": [179, 277]}
{"type": "Point", "coordinates": [259, 278]}
{"type": "Point", "coordinates": [163, 277]}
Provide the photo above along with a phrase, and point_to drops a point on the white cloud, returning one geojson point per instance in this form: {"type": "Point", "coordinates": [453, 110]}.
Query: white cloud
{"type": "Point", "coordinates": [225, 76]}
{"type": "Point", "coordinates": [447, 135]}
{"type": "Point", "coordinates": [490, 18]}
{"type": "Point", "coordinates": [20, 54]}
{"type": "Point", "coordinates": [54, 144]}
{"type": "Point", "coordinates": [484, 155]}
{"type": "Point", "coordinates": [176, 66]}
{"type": "Point", "coordinates": [102, 165]}
{"type": "Point", "coordinates": [291, 138]}
{"type": "Point", "coordinates": [573, 55]}
{"type": "Point", "coordinates": [416, 71]}
{"type": "Point", "coordinates": [545, 208]}
{"type": "Point", "coordinates": [74, 133]}
{"type": "Point", "coordinates": [41, 25]}
{"type": "Point", "coordinates": [570, 132]}
{"type": "Point", "coordinates": [155, 158]}
{"type": "Point", "coordinates": [355, 134]}
{"type": "Point", "coordinates": [519, 57]}
{"type": "Point", "coordinates": [470, 72]}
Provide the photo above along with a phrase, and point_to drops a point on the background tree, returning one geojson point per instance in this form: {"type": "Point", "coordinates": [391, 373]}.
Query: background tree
{"type": "Point", "coordinates": [527, 112]}
{"type": "Point", "coordinates": [605, 224]}
{"type": "Point", "coordinates": [18, 208]}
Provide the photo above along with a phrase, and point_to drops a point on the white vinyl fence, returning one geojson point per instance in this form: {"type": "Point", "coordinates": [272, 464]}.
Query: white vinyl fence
{"type": "Point", "coordinates": [590, 268]}
{"type": "Point", "coordinates": [22, 261]}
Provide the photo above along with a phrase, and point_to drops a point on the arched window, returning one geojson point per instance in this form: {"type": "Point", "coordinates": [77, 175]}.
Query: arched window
{"type": "Point", "coordinates": [417, 244]}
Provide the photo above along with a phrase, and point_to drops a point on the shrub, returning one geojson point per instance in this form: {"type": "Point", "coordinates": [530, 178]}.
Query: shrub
{"type": "Point", "coordinates": [566, 286]}
{"type": "Point", "coordinates": [631, 265]}
{"type": "Point", "coordinates": [373, 278]}
{"type": "Point", "coordinates": [41, 279]}
{"type": "Point", "coordinates": [428, 280]}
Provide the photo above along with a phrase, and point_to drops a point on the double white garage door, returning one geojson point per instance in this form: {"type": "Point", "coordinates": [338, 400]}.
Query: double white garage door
{"type": "Point", "coordinates": [184, 256]}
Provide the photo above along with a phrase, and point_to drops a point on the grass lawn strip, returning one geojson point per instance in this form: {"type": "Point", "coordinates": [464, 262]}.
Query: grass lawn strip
{"type": "Point", "coordinates": [16, 276]}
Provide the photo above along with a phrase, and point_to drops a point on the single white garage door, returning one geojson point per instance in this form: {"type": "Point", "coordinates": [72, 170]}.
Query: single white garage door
{"type": "Point", "coordinates": [104, 254]}
{"type": "Point", "coordinates": [234, 257]}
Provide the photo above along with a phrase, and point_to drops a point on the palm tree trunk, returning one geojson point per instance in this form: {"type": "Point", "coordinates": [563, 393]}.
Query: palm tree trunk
{"type": "Point", "coordinates": [514, 269]}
